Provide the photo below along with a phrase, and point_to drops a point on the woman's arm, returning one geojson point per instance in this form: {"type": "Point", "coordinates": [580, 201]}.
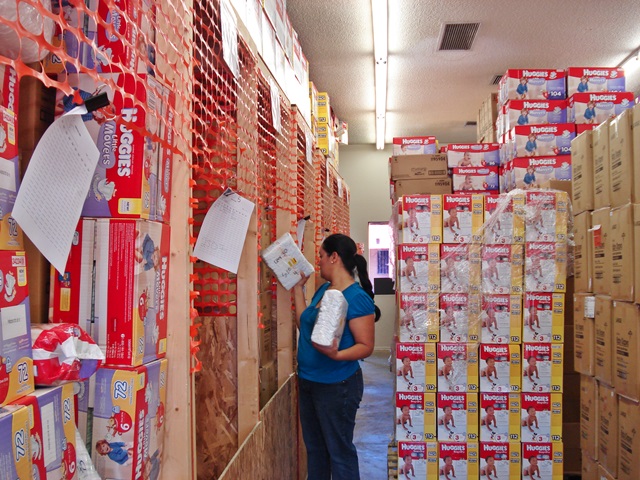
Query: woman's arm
{"type": "Point", "coordinates": [363, 330]}
{"type": "Point", "coordinates": [299, 300]}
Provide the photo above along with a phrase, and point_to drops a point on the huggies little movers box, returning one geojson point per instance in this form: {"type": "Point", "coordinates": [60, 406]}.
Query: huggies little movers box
{"type": "Point", "coordinates": [534, 112]}
{"type": "Point", "coordinates": [595, 79]}
{"type": "Point", "coordinates": [410, 367]}
{"type": "Point", "coordinates": [419, 267]}
{"type": "Point", "coordinates": [541, 417]}
{"type": "Point", "coordinates": [15, 448]}
{"type": "Point", "coordinates": [543, 317]}
{"type": "Point", "coordinates": [499, 368]}
{"type": "Point", "coordinates": [415, 459]}
{"type": "Point", "coordinates": [457, 367]}
{"type": "Point", "coordinates": [473, 154]}
{"type": "Point", "coordinates": [457, 461]}
{"type": "Point", "coordinates": [501, 319]}
{"type": "Point", "coordinates": [457, 416]}
{"type": "Point", "coordinates": [418, 317]}
{"type": "Point", "coordinates": [421, 219]}
{"type": "Point", "coordinates": [499, 417]}
{"type": "Point", "coordinates": [542, 461]}
{"type": "Point", "coordinates": [500, 460]}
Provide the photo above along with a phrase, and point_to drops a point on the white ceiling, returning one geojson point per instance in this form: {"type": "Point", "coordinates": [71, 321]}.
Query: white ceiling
{"type": "Point", "coordinates": [435, 93]}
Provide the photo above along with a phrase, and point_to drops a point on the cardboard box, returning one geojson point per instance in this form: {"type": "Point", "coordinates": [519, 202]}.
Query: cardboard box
{"type": "Point", "coordinates": [499, 368]}
{"type": "Point", "coordinates": [534, 112]}
{"type": "Point", "coordinates": [607, 428]}
{"type": "Point", "coordinates": [458, 312]}
{"type": "Point", "coordinates": [532, 84]}
{"type": "Point", "coordinates": [421, 219]}
{"type": "Point", "coordinates": [588, 416]}
{"type": "Point", "coordinates": [543, 317]}
{"type": "Point", "coordinates": [595, 79]}
{"type": "Point", "coordinates": [427, 145]}
{"type": "Point", "coordinates": [423, 186]}
{"type": "Point", "coordinates": [499, 417]}
{"type": "Point", "coordinates": [473, 154]}
{"type": "Point", "coordinates": [542, 367]}
{"type": "Point", "coordinates": [626, 338]}
{"type": "Point", "coordinates": [502, 269]}
{"type": "Point", "coordinates": [545, 267]}
{"type": "Point", "coordinates": [589, 468]}
{"type": "Point", "coordinates": [131, 313]}
{"type": "Point", "coordinates": [419, 317]}
{"type": "Point", "coordinates": [459, 460]}
{"type": "Point", "coordinates": [418, 166]}
{"type": "Point", "coordinates": [503, 219]}
{"type": "Point", "coordinates": [621, 159]}
{"type": "Point", "coordinates": [628, 439]}
{"type": "Point", "coordinates": [9, 88]}
{"type": "Point", "coordinates": [476, 179]}
{"type": "Point", "coordinates": [582, 166]}
{"type": "Point", "coordinates": [462, 219]}
{"type": "Point", "coordinates": [415, 416]}
{"type": "Point", "coordinates": [604, 339]}
{"type": "Point", "coordinates": [15, 444]}
{"type": "Point", "coordinates": [16, 363]}
{"type": "Point", "coordinates": [584, 334]}
{"type": "Point", "coordinates": [165, 157]}
{"type": "Point", "coordinates": [324, 107]}
{"type": "Point", "coordinates": [415, 363]}
{"type": "Point", "coordinates": [418, 268]}
{"type": "Point", "coordinates": [622, 253]}
{"type": "Point", "coordinates": [457, 367]}
{"type": "Point", "coordinates": [596, 107]}
{"type": "Point", "coordinates": [582, 255]}
{"type": "Point", "coordinates": [544, 458]}
{"type": "Point", "coordinates": [500, 459]}
{"type": "Point", "coordinates": [636, 249]}
{"type": "Point", "coordinates": [53, 431]}
{"type": "Point", "coordinates": [541, 417]}
{"type": "Point", "coordinates": [601, 166]}
{"type": "Point", "coordinates": [635, 133]}
{"type": "Point", "coordinates": [604, 474]}
{"type": "Point", "coordinates": [418, 458]}
{"type": "Point", "coordinates": [546, 216]}
{"type": "Point", "coordinates": [542, 140]}
{"type": "Point", "coordinates": [601, 250]}
{"type": "Point", "coordinates": [501, 319]}
{"type": "Point", "coordinates": [536, 172]}
{"type": "Point", "coordinates": [457, 416]}
{"type": "Point", "coordinates": [11, 237]}
{"type": "Point", "coordinates": [459, 268]}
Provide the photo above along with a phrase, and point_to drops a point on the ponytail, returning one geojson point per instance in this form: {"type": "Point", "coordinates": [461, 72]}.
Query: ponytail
{"type": "Point", "coordinates": [365, 283]}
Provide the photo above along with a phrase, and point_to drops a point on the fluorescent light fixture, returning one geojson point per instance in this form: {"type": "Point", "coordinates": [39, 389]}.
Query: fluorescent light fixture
{"type": "Point", "coordinates": [379, 9]}
{"type": "Point", "coordinates": [631, 64]}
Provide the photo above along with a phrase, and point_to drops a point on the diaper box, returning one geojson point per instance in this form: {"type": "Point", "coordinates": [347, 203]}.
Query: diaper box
{"type": "Point", "coordinates": [499, 368]}
{"type": "Point", "coordinates": [500, 460]}
{"type": "Point", "coordinates": [589, 411]}
{"type": "Point", "coordinates": [459, 268]}
{"type": "Point", "coordinates": [457, 416]}
{"type": "Point", "coordinates": [501, 319]}
{"type": "Point", "coordinates": [499, 417]}
{"type": "Point", "coordinates": [417, 459]}
{"type": "Point", "coordinates": [543, 317]}
{"type": "Point", "coordinates": [626, 349]}
{"type": "Point", "coordinates": [419, 267]}
{"type": "Point", "coordinates": [584, 336]}
{"type": "Point", "coordinates": [607, 427]}
{"type": "Point", "coordinates": [415, 145]}
{"type": "Point", "coordinates": [419, 317]}
{"type": "Point", "coordinates": [534, 112]}
{"type": "Point", "coordinates": [15, 444]}
{"type": "Point", "coordinates": [420, 219]}
{"type": "Point", "coordinates": [459, 317]}
{"type": "Point", "coordinates": [595, 108]}
{"type": "Point", "coordinates": [418, 167]}
{"type": "Point", "coordinates": [131, 290]}
{"type": "Point", "coordinates": [415, 367]}
{"type": "Point", "coordinates": [419, 186]}
{"type": "Point", "coordinates": [604, 351]}
{"type": "Point", "coordinates": [476, 179]}
{"type": "Point", "coordinates": [582, 165]}
{"type": "Point", "coordinates": [126, 133]}
{"type": "Point", "coordinates": [542, 140]}
{"type": "Point", "coordinates": [542, 367]}
{"type": "Point", "coordinates": [503, 219]}
{"type": "Point", "coordinates": [16, 361]}
{"type": "Point", "coordinates": [546, 216]}
{"type": "Point", "coordinates": [502, 269]}
{"type": "Point", "coordinates": [541, 417]}
{"type": "Point", "coordinates": [542, 461]}
{"type": "Point", "coordinates": [9, 88]}
{"type": "Point", "coordinates": [545, 267]}
{"type": "Point", "coordinates": [52, 432]}
{"type": "Point", "coordinates": [457, 460]}
{"type": "Point", "coordinates": [10, 233]}
{"type": "Point", "coordinates": [601, 166]}
{"type": "Point", "coordinates": [532, 84]}
{"type": "Point", "coordinates": [473, 155]}
{"type": "Point", "coordinates": [624, 167]}
{"type": "Point", "coordinates": [595, 79]}
{"type": "Point", "coordinates": [532, 172]}
{"type": "Point", "coordinates": [457, 367]}
{"type": "Point", "coordinates": [462, 218]}
{"type": "Point", "coordinates": [628, 439]}
{"type": "Point", "coordinates": [128, 420]}
{"type": "Point", "coordinates": [165, 155]}
{"type": "Point", "coordinates": [71, 292]}
{"type": "Point", "coordinates": [415, 416]}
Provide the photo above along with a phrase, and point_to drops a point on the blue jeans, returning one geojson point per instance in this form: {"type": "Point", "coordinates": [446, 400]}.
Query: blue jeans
{"type": "Point", "coordinates": [328, 418]}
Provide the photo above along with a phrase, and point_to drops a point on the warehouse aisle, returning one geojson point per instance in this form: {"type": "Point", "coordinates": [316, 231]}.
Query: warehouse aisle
{"type": "Point", "coordinates": [374, 423]}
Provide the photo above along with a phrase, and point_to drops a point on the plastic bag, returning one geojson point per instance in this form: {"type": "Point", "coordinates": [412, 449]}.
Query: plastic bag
{"type": "Point", "coordinates": [331, 318]}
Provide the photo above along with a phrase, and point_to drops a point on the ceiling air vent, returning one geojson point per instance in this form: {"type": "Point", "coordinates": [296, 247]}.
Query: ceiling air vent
{"type": "Point", "coordinates": [458, 36]}
{"type": "Point", "coordinates": [495, 80]}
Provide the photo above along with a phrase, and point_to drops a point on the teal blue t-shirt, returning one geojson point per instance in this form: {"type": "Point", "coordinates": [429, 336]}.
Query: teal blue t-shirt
{"type": "Point", "coordinates": [316, 366]}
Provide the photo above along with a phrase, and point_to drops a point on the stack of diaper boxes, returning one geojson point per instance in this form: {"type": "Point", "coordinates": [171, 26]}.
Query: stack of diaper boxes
{"type": "Point", "coordinates": [606, 198]}
{"type": "Point", "coordinates": [474, 167]}
{"type": "Point", "coordinates": [479, 357]}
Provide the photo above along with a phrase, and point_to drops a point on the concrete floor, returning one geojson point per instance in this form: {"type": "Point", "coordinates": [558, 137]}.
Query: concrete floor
{"type": "Point", "coordinates": [375, 419]}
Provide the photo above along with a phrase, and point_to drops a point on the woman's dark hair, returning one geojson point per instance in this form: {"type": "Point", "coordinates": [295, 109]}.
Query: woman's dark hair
{"type": "Point", "coordinates": [347, 250]}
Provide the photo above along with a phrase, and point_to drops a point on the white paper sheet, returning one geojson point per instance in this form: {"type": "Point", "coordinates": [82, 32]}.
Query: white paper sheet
{"type": "Point", "coordinates": [275, 105]}
{"type": "Point", "coordinates": [308, 147]}
{"type": "Point", "coordinates": [224, 230]}
{"type": "Point", "coordinates": [300, 231]}
{"type": "Point", "coordinates": [229, 37]}
{"type": "Point", "coordinates": [55, 185]}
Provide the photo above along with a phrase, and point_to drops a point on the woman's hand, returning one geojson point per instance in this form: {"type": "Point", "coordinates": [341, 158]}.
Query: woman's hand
{"type": "Point", "coordinates": [330, 351]}
{"type": "Point", "coordinates": [303, 280]}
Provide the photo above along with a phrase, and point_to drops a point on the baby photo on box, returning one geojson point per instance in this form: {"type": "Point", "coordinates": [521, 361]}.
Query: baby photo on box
{"type": "Point", "coordinates": [473, 154]}
{"type": "Point", "coordinates": [543, 317]}
{"type": "Point", "coordinates": [502, 269]}
{"type": "Point", "coordinates": [410, 367]}
{"type": "Point", "coordinates": [545, 267]}
{"type": "Point", "coordinates": [410, 416]}
{"type": "Point", "coordinates": [414, 145]}
{"type": "Point", "coordinates": [421, 218]}
{"type": "Point", "coordinates": [546, 215]}
{"type": "Point", "coordinates": [476, 179]}
{"type": "Point", "coordinates": [419, 317]}
{"type": "Point", "coordinates": [495, 368]}
{"type": "Point", "coordinates": [417, 272]}
{"type": "Point", "coordinates": [455, 461]}
{"type": "Point", "coordinates": [457, 416]}
{"type": "Point", "coordinates": [454, 317]}
{"type": "Point", "coordinates": [499, 319]}
{"type": "Point", "coordinates": [456, 367]}
{"type": "Point", "coordinates": [459, 218]}
{"type": "Point", "coordinates": [542, 140]}
{"type": "Point", "coordinates": [500, 226]}
{"type": "Point", "coordinates": [495, 416]}
{"type": "Point", "coordinates": [412, 460]}
{"type": "Point", "coordinates": [499, 460]}
{"type": "Point", "coordinates": [537, 368]}
{"type": "Point", "coordinates": [454, 268]}
{"type": "Point", "coordinates": [538, 461]}
{"type": "Point", "coordinates": [536, 418]}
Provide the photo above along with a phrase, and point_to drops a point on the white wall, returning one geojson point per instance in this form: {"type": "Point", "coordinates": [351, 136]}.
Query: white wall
{"type": "Point", "coordinates": [366, 172]}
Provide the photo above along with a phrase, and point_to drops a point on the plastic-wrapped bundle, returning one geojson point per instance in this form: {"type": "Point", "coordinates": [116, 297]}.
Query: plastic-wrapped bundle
{"type": "Point", "coordinates": [86, 470]}
{"type": "Point", "coordinates": [331, 318]}
{"type": "Point", "coordinates": [286, 260]}
{"type": "Point", "coordinates": [32, 20]}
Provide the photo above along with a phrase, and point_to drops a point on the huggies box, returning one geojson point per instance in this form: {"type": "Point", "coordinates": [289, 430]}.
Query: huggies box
{"type": "Point", "coordinates": [473, 155]}
{"type": "Point", "coordinates": [418, 317]}
{"type": "Point", "coordinates": [458, 318]}
{"type": "Point", "coordinates": [415, 365]}
{"type": "Point", "coordinates": [421, 219]}
{"type": "Point", "coordinates": [595, 79]}
{"type": "Point", "coordinates": [476, 179]}
{"type": "Point", "coordinates": [457, 460]}
{"type": "Point", "coordinates": [499, 368]}
{"type": "Point", "coordinates": [499, 417]}
{"type": "Point", "coordinates": [542, 367]}
{"type": "Point", "coordinates": [534, 112]}
{"type": "Point", "coordinates": [501, 319]}
{"type": "Point", "coordinates": [545, 267]}
{"type": "Point", "coordinates": [595, 108]}
{"type": "Point", "coordinates": [502, 269]}
{"type": "Point", "coordinates": [543, 317]}
{"type": "Point", "coordinates": [532, 172]}
{"type": "Point", "coordinates": [415, 416]}
{"type": "Point", "coordinates": [457, 417]}
{"type": "Point", "coordinates": [10, 233]}
{"type": "Point", "coordinates": [419, 267]}
{"type": "Point", "coordinates": [546, 216]}
{"type": "Point", "coordinates": [541, 417]}
{"type": "Point", "coordinates": [457, 367]}
{"type": "Point", "coordinates": [532, 84]}
{"type": "Point", "coordinates": [542, 140]}
{"type": "Point", "coordinates": [542, 461]}
{"type": "Point", "coordinates": [500, 460]}
{"type": "Point", "coordinates": [15, 447]}
{"type": "Point", "coordinates": [503, 219]}
{"type": "Point", "coordinates": [462, 218]}
{"type": "Point", "coordinates": [459, 268]}
{"type": "Point", "coordinates": [417, 459]}
{"type": "Point", "coordinates": [415, 145]}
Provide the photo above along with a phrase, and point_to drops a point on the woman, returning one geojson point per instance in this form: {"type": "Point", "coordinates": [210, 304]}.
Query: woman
{"type": "Point", "coordinates": [330, 378]}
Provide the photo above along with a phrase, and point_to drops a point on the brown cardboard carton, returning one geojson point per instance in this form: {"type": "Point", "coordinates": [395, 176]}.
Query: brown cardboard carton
{"type": "Point", "coordinates": [422, 186]}
{"type": "Point", "coordinates": [418, 166]}
{"type": "Point", "coordinates": [607, 435]}
{"type": "Point", "coordinates": [601, 174]}
{"type": "Point", "coordinates": [588, 415]}
{"type": "Point", "coordinates": [584, 334]}
{"type": "Point", "coordinates": [582, 172]}
{"type": "Point", "coordinates": [604, 475]}
{"type": "Point", "coordinates": [622, 254]}
{"type": "Point", "coordinates": [621, 159]}
{"type": "Point", "coordinates": [601, 250]}
{"type": "Point", "coordinates": [636, 249]}
{"type": "Point", "coordinates": [628, 439]}
{"type": "Point", "coordinates": [604, 337]}
{"type": "Point", "coordinates": [582, 259]}
{"type": "Point", "coordinates": [589, 468]}
{"type": "Point", "coordinates": [626, 339]}
{"type": "Point", "coordinates": [635, 133]}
